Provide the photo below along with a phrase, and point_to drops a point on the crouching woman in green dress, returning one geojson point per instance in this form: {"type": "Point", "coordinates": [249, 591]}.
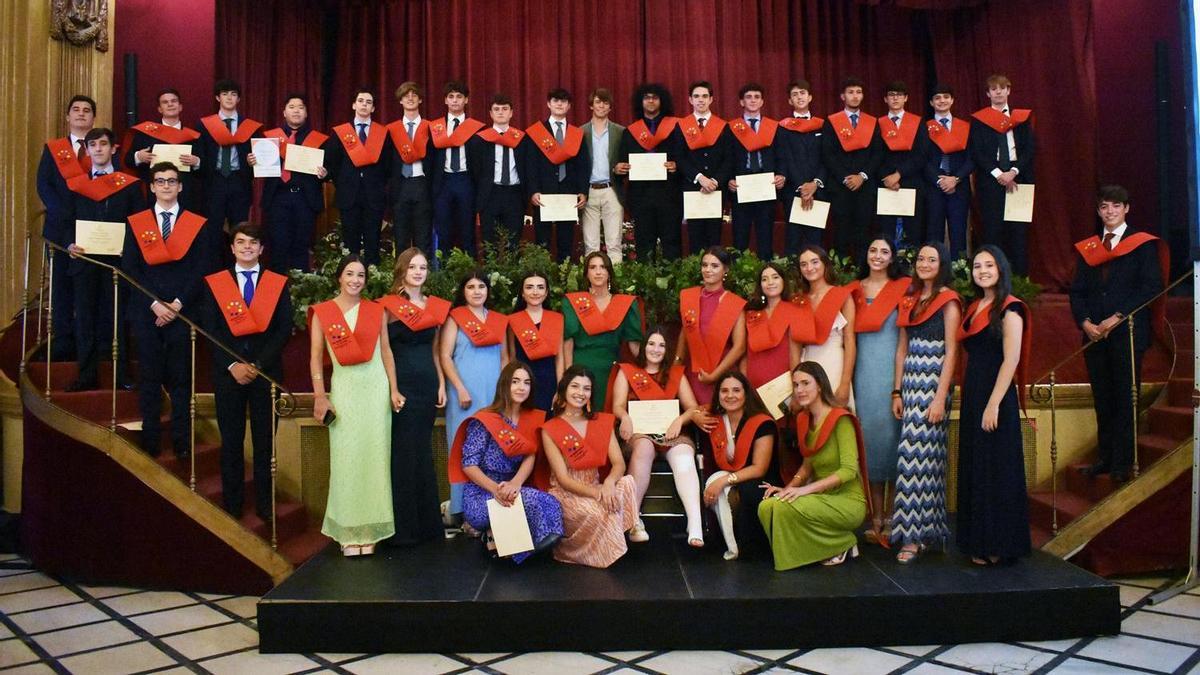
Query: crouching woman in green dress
{"type": "Point", "coordinates": [813, 518]}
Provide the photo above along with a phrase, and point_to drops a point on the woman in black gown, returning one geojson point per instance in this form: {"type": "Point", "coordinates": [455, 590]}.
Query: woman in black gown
{"type": "Point", "coordinates": [414, 321]}
{"type": "Point", "coordinates": [993, 511]}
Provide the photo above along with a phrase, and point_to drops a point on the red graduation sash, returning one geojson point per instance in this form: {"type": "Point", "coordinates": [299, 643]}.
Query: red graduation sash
{"type": "Point", "coordinates": [314, 139]}
{"type": "Point", "coordinates": [244, 320]}
{"type": "Point", "coordinates": [68, 163]}
{"type": "Point", "coordinates": [952, 141]}
{"type": "Point", "coordinates": [698, 138]}
{"type": "Point", "coordinates": [594, 321]}
{"type": "Point", "coordinates": [416, 318]}
{"type": "Point", "coordinates": [538, 342]}
{"type": "Point", "coordinates": [853, 138]}
{"type": "Point", "coordinates": [705, 349]}
{"type": "Point", "coordinates": [522, 439]}
{"type": "Point", "coordinates": [764, 331]}
{"type": "Point", "coordinates": [741, 448]}
{"type": "Point", "coordinates": [802, 125]}
{"type": "Point", "coordinates": [150, 241]}
{"type": "Point", "coordinates": [545, 141]}
{"type": "Point", "coordinates": [350, 347]}
{"type": "Point", "coordinates": [361, 154]}
{"type": "Point", "coordinates": [169, 135]}
{"type": "Point", "coordinates": [813, 327]}
{"type": "Point", "coordinates": [1094, 254]}
{"type": "Point", "coordinates": [648, 141]}
{"type": "Point", "coordinates": [869, 318]}
{"type": "Point", "coordinates": [482, 334]}
{"type": "Point", "coordinates": [508, 139]}
{"type": "Point", "coordinates": [644, 387]}
{"type": "Point", "coordinates": [589, 452]}
{"type": "Point", "coordinates": [804, 421]}
{"type": "Point", "coordinates": [907, 304]}
{"type": "Point", "coordinates": [102, 187]}
{"type": "Point", "coordinates": [220, 133]}
{"type": "Point", "coordinates": [899, 139]}
{"type": "Point", "coordinates": [466, 129]}
{"type": "Point", "coordinates": [1001, 123]}
{"type": "Point", "coordinates": [412, 150]}
{"type": "Point", "coordinates": [975, 322]}
{"type": "Point", "coordinates": [754, 140]}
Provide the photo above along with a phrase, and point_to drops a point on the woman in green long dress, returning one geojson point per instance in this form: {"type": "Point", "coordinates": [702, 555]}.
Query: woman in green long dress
{"type": "Point", "coordinates": [596, 321]}
{"type": "Point", "coordinates": [815, 515]}
{"type": "Point", "coordinates": [358, 512]}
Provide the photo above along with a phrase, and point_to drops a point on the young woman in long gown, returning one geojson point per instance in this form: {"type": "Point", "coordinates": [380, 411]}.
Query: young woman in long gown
{"type": "Point", "coordinates": [597, 321]}
{"type": "Point", "coordinates": [827, 314]}
{"type": "Point", "coordinates": [713, 338]}
{"type": "Point", "coordinates": [771, 349]}
{"type": "Point", "coordinates": [535, 337]}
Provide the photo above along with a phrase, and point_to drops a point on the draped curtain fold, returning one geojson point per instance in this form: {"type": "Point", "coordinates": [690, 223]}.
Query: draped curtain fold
{"type": "Point", "coordinates": [525, 47]}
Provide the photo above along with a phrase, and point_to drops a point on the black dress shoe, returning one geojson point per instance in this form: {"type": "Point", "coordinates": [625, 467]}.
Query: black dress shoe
{"type": "Point", "coordinates": [125, 385]}
{"type": "Point", "coordinates": [183, 455]}
{"type": "Point", "coordinates": [1119, 476]}
{"type": "Point", "coordinates": [1097, 469]}
{"type": "Point", "coordinates": [83, 385]}
{"type": "Point", "coordinates": [263, 512]}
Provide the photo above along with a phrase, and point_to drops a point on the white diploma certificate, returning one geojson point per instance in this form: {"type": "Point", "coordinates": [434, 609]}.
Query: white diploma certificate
{"type": "Point", "coordinates": [776, 394]}
{"type": "Point", "coordinates": [303, 159]}
{"type": "Point", "coordinates": [755, 187]}
{"type": "Point", "coordinates": [817, 216]}
{"type": "Point", "coordinates": [1018, 204]}
{"type": "Point", "coordinates": [164, 152]}
{"type": "Point", "coordinates": [700, 205]}
{"type": "Point", "coordinates": [510, 529]}
{"type": "Point", "coordinates": [266, 157]}
{"type": "Point", "coordinates": [99, 238]}
{"type": "Point", "coordinates": [647, 166]}
{"type": "Point", "coordinates": [653, 417]}
{"type": "Point", "coordinates": [559, 208]}
{"type": "Point", "coordinates": [902, 202]}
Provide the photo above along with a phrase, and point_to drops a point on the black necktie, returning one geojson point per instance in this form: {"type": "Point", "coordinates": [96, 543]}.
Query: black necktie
{"type": "Point", "coordinates": [506, 166]}
{"type": "Point", "coordinates": [99, 173]}
{"type": "Point", "coordinates": [944, 166]}
{"type": "Point", "coordinates": [455, 151]}
{"type": "Point", "coordinates": [701, 121]}
{"type": "Point", "coordinates": [225, 163]}
{"type": "Point", "coordinates": [757, 155]}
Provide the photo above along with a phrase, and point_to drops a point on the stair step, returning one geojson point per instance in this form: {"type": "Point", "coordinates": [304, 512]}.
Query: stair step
{"type": "Point", "coordinates": [1153, 447]}
{"type": "Point", "coordinates": [1179, 389]}
{"type": "Point", "coordinates": [1068, 504]}
{"type": "Point", "coordinates": [656, 504]}
{"type": "Point", "coordinates": [303, 546]}
{"type": "Point", "coordinates": [1094, 488]}
{"type": "Point", "coordinates": [1170, 420]}
{"type": "Point", "coordinates": [96, 406]}
{"type": "Point", "coordinates": [1039, 535]}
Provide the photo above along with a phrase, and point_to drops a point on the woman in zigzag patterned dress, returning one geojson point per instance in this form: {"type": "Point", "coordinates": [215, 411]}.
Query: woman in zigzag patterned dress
{"type": "Point", "coordinates": [925, 360]}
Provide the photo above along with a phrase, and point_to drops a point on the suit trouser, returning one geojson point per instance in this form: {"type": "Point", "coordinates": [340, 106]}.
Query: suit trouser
{"type": "Point", "coordinates": [603, 210]}
{"type": "Point", "coordinates": [657, 217]}
{"type": "Point", "coordinates": [454, 213]}
{"type": "Point", "coordinates": [227, 199]}
{"type": "Point", "coordinates": [853, 216]}
{"type": "Point", "coordinates": [911, 228]}
{"type": "Point", "coordinates": [1112, 394]}
{"type": "Point", "coordinates": [412, 213]}
{"type": "Point", "coordinates": [290, 225]}
{"type": "Point", "coordinates": [504, 208]}
{"type": "Point", "coordinates": [1008, 235]}
{"type": "Point", "coordinates": [948, 211]}
{"type": "Point", "coordinates": [761, 217]}
{"type": "Point", "coordinates": [360, 230]}
{"type": "Point", "coordinates": [564, 236]}
{"type": "Point", "coordinates": [164, 359]}
{"type": "Point", "coordinates": [232, 400]}
{"type": "Point", "coordinates": [63, 320]}
{"type": "Point", "coordinates": [94, 321]}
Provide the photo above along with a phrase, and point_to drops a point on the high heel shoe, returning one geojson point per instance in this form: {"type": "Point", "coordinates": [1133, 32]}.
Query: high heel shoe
{"type": "Point", "coordinates": [638, 533]}
{"type": "Point", "coordinates": [369, 549]}
{"type": "Point", "coordinates": [840, 558]}
{"type": "Point", "coordinates": [730, 555]}
{"type": "Point", "coordinates": [351, 551]}
{"type": "Point", "coordinates": [909, 553]}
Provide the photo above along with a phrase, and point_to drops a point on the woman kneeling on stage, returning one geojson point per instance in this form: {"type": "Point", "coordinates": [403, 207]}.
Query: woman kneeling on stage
{"type": "Point", "coordinates": [495, 450]}
{"type": "Point", "coordinates": [815, 515]}
{"type": "Point", "coordinates": [579, 442]}
{"type": "Point", "coordinates": [740, 447]}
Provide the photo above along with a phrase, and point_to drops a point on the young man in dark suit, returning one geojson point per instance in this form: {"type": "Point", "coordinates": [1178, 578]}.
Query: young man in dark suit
{"type": "Point", "coordinates": [1115, 273]}
{"type": "Point", "coordinates": [499, 158]}
{"type": "Point", "coordinates": [64, 159]}
{"type": "Point", "coordinates": [798, 157]}
{"type": "Point", "coordinates": [292, 202]}
{"type": "Point", "coordinates": [453, 192]}
{"type": "Point", "coordinates": [170, 131]}
{"type": "Point", "coordinates": [411, 160]}
{"type": "Point", "coordinates": [558, 163]}
{"type": "Point", "coordinates": [705, 150]}
{"type": "Point", "coordinates": [754, 152]}
{"type": "Point", "coordinates": [904, 147]}
{"type": "Point", "coordinates": [248, 309]}
{"type": "Point", "coordinates": [167, 250]}
{"type": "Point", "coordinates": [106, 195]}
{"type": "Point", "coordinates": [948, 169]}
{"type": "Point", "coordinates": [225, 141]}
{"type": "Point", "coordinates": [356, 159]}
{"type": "Point", "coordinates": [656, 206]}
{"type": "Point", "coordinates": [852, 151]}
{"type": "Point", "coordinates": [1002, 147]}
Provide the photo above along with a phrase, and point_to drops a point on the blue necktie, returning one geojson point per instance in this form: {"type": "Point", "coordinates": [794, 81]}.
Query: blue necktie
{"type": "Point", "coordinates": [559, 136]}
{"type": "Point", "coordinates": [854, 120]}
{"type": "Point", "coordinates": [362, 132]}
{"type": "Point", "coordinates": [757, 154]}
{"type": "Point", "coordinates": [166, 224]}
{"type": "Point", "coordinates": [944, 166]}
{"type": "Point", "coordinates": [248, 289]}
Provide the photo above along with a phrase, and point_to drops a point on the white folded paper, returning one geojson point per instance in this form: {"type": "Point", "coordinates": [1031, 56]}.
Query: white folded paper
{"type": "Point", "coordinates": [303, 159]}
{"type": "Point", "coordinates": [266, 157]}
{"type": "Point", "coordinates": [559, 208]}
{"type": "Point", "coordinates": [510, 528]}
{"type": "Point", "coordinates": [647, 166]}
{"type": "Point", "coordinates": [653, 418]}
{"type": "Point", "coordinates": [902, 202]}
{"type": "Point", "coordinates": [700, 205]}
{"type": "Point", "coordinates": [755, 187]}
{"type": "Point", "coordinates": [99, 238]}
{"type": "Point", "coordinates": [776, 394]}
{"type": "Point", "coordinates": [817, 216]}
{"type": "Point", "coordinates": [1018, 204]}
{"type": "Point", "coordinates": [164, 152]}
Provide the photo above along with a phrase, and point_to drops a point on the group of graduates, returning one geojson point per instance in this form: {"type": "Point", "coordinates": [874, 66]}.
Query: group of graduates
{"type": "Point", "coordinates": [434, 355]}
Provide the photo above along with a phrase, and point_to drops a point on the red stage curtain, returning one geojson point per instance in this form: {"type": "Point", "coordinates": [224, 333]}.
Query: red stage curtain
{"type": "Point", "coordinates": [525, 47]}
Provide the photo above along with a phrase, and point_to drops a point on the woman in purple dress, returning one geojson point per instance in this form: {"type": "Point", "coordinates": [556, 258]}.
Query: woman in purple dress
{"type": "Point", "coordinates": [495, 451]}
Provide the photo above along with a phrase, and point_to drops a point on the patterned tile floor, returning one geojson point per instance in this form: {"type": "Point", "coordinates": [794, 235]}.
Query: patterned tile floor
{"type": "Point", "coordinates": [48, 626]}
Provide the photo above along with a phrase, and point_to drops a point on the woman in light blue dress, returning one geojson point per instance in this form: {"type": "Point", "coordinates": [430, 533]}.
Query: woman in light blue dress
{"type": "Point", "coordinates": [471, 360]}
